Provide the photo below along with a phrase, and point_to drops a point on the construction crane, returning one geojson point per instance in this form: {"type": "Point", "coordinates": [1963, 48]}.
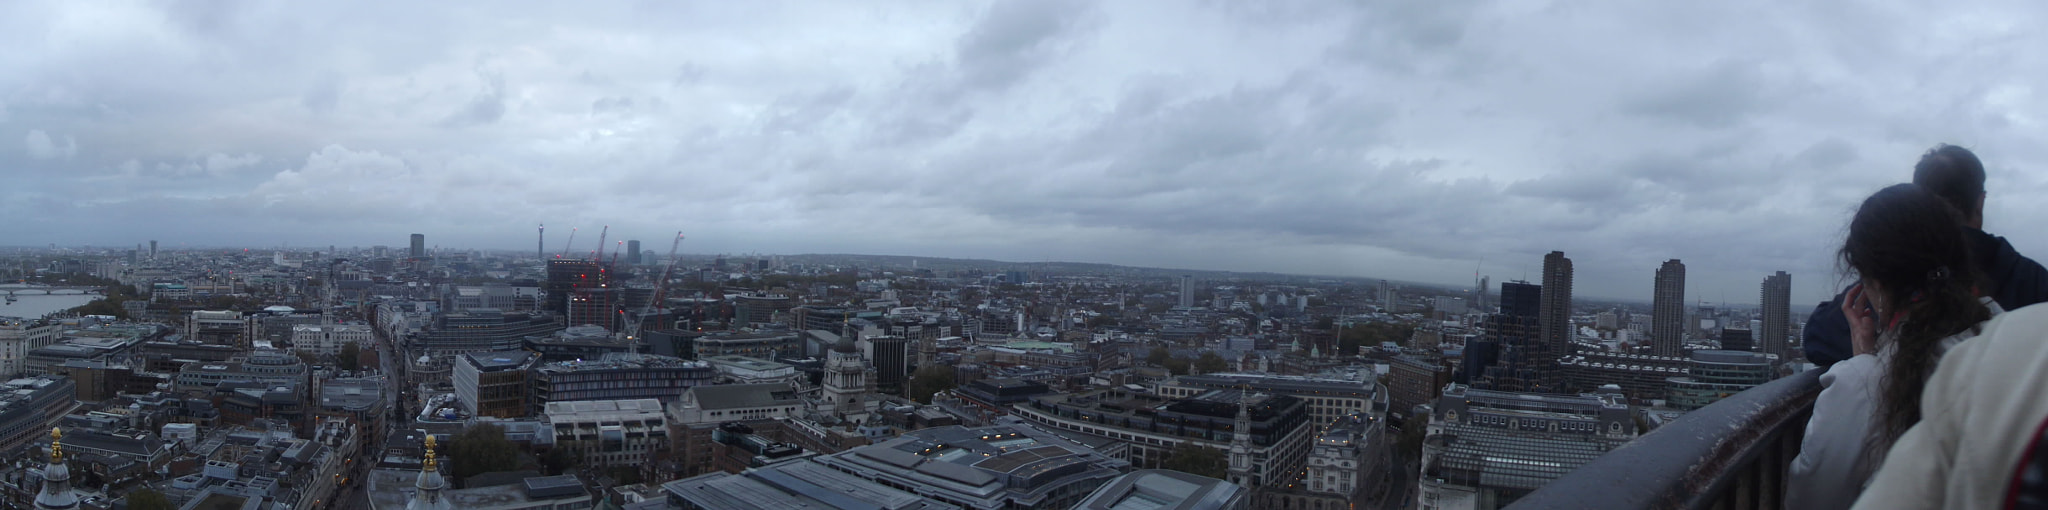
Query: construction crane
{"type": "Point", "coordinates": [599, 257]}
{"type": "Point", "coordinates": [660, 291]}
{"type": "Point", "coordinates": [570, 244]}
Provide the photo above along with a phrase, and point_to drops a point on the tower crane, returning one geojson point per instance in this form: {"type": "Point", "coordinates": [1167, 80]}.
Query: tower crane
{"type": "Point", "coordinates": [660, 291]}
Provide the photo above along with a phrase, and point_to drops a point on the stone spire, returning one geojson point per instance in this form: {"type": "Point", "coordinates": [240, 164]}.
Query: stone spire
{"type": "Point", "coordinates": [1241, 442]}
{"type": "Point", "coordinates": [56, 493]}
{"type": "Point", "coordinates": [428, 496]}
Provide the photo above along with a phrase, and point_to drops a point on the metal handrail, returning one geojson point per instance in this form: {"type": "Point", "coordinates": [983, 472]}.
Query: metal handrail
{"type": "Point", "coordinates": [1731, 454]}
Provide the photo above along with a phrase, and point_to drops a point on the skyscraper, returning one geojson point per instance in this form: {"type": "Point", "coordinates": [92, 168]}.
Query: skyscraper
{"type": "Point", "coordinates": [1187, 291]}
{"type": "Point", "coordinates": [1667, 311]}
{"type": "Point", "coordinates": [152, 249]}
{"type": "Point", "coordinates": [633, 252]}
{"type": "Point", "coordinates": [419, 246]}
{"type": "Point", "coordinates": [1554, 316]}
{"type": "Point", "coordinates": [1777, 310]}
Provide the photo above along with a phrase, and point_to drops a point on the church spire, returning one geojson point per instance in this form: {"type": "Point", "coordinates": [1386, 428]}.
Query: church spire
{"type": "Point", "coordinates": [1241, 442]}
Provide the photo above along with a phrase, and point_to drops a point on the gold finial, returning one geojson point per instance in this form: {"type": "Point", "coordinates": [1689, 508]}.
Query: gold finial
{"type": "Point", "coordinates": [430, 465]}
{"type": "Point", "coordinates": [56, 449]}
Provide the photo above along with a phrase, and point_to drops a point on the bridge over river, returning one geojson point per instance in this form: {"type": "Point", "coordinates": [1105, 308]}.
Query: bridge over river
{"type": "Point", "coordinates": [11, 290]}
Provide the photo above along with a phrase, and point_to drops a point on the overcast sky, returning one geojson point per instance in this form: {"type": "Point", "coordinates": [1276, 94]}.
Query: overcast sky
{"type": "Point", "coordinates": [1409, 140]}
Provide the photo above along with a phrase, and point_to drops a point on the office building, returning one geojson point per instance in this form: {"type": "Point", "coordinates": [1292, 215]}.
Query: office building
{"type": "Point", "coordinates": [619, 376]}
{"type": "Point", "coordinates": [565, 276]}
{"type": "Point", "coordinates": [1639, 377]}
{"type": "Point", "coordinates": [481, 330]}
{"type": "Point", "coordinates": [419, 247]}
{"type": "Point", "coordinates": [1513, 354]}
{"type": "Point", "coordinates": [597, 306]}
{"type": "Point", "coordinates": [1329, 400]}
{"type": "Point", "coordinates": [1414, 380]}
{"type": "Point", "coordinates": [764, 345]}
{"type": "Point", "coordinates": [18, 337]}
{"type": "Point", "coordinates": [1187, 291]}
{"type": "Point", "coordinates": [987, 468]}
{"type": "Point", "coordinates": [267, 368]}
{"type": "Point", "coordinates": [1554, 316]}
{"type": "Point", "coordinates": [760, 309]}
{"type": "Point", "coordinates": [327, 339]}
{"type": "Point", "coordinates": [1168, 490]}
{"type": "Point", "coordinates": [225, 327]}
{"type": "Point", "coordinates": [609, 433]}
{"type": "Point", "coordinates": [494, 384]}
{"type": "Point", "coordinates": [891, 358]}
{"type": "Point", "coordinates": [1777, 312]}
{"type": "Point", "coordinates": [1349, 462]}
{"type": "Point", "coordinates": [633, 252]}
{"type": "Point", "coordinates": [1667, 311]}
{"type": "Point", "coordinates": [1738, 339]}
{"type": "Point", "coordinates": [1151, 426]}
{"type": "Point", "coordinates": [1713, 375]}
{"type": "Point", "coordinates": [798, 484]}
{"type": "Point", "coordinates": [1485, 449]}
{"type": "Point", "coordinates": [722, 403]}
{"type": "Point", "coordinates": [745, 370]}
{"type": "Point", "coordinates": [28, 406]}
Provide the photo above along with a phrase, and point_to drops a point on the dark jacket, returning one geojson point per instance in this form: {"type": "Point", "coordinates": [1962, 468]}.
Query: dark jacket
{"type": "Point", "coordinates": [2011, 279]}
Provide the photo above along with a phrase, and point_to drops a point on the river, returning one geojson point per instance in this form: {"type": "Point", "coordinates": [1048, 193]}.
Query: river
{"type": "Point", "coordinates": [30, 305]}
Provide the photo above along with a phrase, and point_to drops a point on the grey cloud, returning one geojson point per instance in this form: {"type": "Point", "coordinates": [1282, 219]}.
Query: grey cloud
{"type": "Point", "coordinates": [487, 106]}
{"type": "Point", "coordinates": [41, 145]}
{"type": "Point", "coordinates": [1015, 38]}
{"type": "Point", "coordinates": [1719, 96]}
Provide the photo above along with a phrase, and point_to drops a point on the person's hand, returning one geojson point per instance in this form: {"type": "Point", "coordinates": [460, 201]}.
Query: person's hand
{"type": "Point", "coordinates": [1862, 321]}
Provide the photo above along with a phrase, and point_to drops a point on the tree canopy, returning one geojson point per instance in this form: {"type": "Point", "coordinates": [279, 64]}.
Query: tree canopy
{"type": "Point", "coordinates": [482, 449]}
{"type": "Point", "coordinates": [1158, 356]}
{"type": "Point", "coordinates": [351, 357]}
{"type": "Point", "coordinates": [147, 499]}
{"type": "Point", "coordinates": [1197, 460]}
{"type": "Point", "coordinates": [1210, 363]}
{"type": "Point", "coordinates": [1178, 365]}
{"type": "Point", "coordinates": [929, 380]}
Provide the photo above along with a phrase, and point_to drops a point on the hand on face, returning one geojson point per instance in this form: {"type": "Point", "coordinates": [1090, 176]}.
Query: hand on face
{"type": "Point", "coordinates": [1856, 305]}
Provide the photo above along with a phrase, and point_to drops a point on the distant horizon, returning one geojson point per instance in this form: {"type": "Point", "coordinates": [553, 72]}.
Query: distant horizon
{"type": "Point", "coordinates": [1493, 283]}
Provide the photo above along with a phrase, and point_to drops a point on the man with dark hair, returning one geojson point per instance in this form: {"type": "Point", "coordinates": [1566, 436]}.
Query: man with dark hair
{"type": "Point", "coordinates": [2013, 280]}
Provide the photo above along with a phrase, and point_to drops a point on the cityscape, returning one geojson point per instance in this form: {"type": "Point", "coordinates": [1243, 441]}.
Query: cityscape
{"type": "Point", "coordinates": [1020, 254]}
{"type": "Point", "coordinates": [650, 378]}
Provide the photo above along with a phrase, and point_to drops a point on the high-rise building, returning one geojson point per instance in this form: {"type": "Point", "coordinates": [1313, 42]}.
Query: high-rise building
{"type": "Point", "coordinates": [1777, 311]}
{"type": "Point", "coordinates": [633, 252]}
{"type": "Point", "coordinates": [1554, 318]}
{"type": "Point", "coordinates": [567, 275]}
{"type": "Point", "coordinates": [495, 384]}
{"type": "Point", "coordinates": [419, 246]}
{"type": "Point", "coordinates": [152, 249]}
{"type": "Point", "coordinates": [1520, 299]}
{"type": "Point", "coordinates": [1187, 291]}
{"type": "Point", "coordinates": [1667, 311]}
{"type": "Point", "coordinates": [891, 357]}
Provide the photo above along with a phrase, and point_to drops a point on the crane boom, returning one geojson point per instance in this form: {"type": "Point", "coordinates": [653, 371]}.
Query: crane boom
{"type": "Point", "coordinates": [599, 257]}
{"type": "Point", "coordinates": [570, 244]}
{"type": "Point", "coordinates": [660, 290]}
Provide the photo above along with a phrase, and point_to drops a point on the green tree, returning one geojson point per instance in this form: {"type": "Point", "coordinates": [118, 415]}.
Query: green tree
{"type": "Point", "coordinates": [1211, 363]}
{"type": "Point", "coordinates": [624, 475]}
{"type": "Point", "coordinates": [1197, 460]}
{"type": "Point", "coordinates": [1178, 365]}
{"type": "Point", "coordinates": [307, 357]}
{"type": "Point", "coordinates": [351, 357]}
{"type": "Point", "coordinates": [1408, 445]}
{"type": "Point", "coordinates": [929, 380]}
{"type": "Point", "coordinates": [482, 449]}
{"type": "Point", "coordinates": [558, 461]}
{"type": "Point", "coordinates": [1158, 356]}
{"type": "Point", "coordinates": [147, 499]}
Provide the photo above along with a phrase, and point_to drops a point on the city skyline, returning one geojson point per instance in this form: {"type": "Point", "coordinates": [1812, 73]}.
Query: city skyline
{"type": "Point", "coordinates": [1321, 139]}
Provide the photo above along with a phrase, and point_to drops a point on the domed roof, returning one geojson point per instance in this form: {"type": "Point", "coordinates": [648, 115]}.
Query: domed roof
{"type": "Point", "coordinates": [845, 345]}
